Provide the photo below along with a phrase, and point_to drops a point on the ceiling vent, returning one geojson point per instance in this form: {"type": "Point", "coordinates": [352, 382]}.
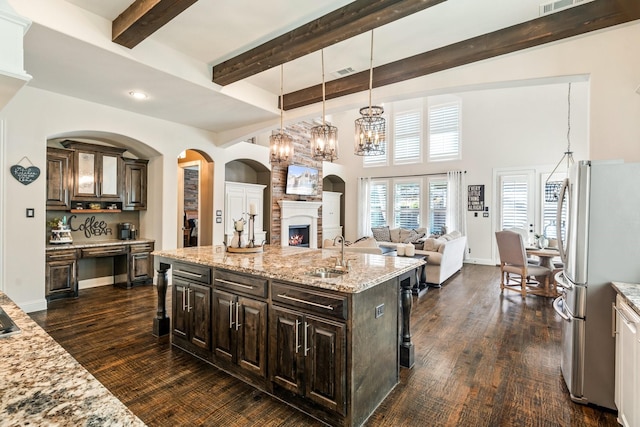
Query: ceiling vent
{"type": "Point", "coordinates": [343, 72]}
{"type": "Point", "coordinates": [555, 6]}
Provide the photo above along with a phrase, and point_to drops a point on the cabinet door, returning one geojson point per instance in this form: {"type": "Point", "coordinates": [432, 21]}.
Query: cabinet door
{"type": "Point", "coordinates": [86, 183]}
{"type": "Point", "coordinates": [251, 328]}
{"type": "Point", "coordinates": [60, 279]}
{"type": "Point", "coordinates": [135, 185]}
{"type": "Point", "coordinates": [59, 165]}
{"type": "Point", "coordinates": [223, 325]}
{"type": "Point", "coordinates": [627, 358]}
{"type": "Point", "coordinates": [235, 208]}
{"type": "Point", "coordinates": [325, 362]}
{"type": "Point", "coordinates": [109, 173]}
{"type": "Point", "coordinates": [199, 306]}
{"type": "Point", "coordinates": [285, 348]}
{"type": "Point", "coordinates": [140, 267]}
{"type": "Point", "coordinates": [179, 309]}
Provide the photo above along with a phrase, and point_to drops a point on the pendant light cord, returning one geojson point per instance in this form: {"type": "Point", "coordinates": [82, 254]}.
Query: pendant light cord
{"type": "Point", "coordinates": [281, 96]}
{"type": "Point", "coordinates": [323, 90]}
{"type": "Point", "coordinates": [370, 73]}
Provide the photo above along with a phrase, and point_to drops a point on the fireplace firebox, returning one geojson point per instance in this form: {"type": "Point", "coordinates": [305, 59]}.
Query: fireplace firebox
{"type": "Point", "coordinates": [299, 235]}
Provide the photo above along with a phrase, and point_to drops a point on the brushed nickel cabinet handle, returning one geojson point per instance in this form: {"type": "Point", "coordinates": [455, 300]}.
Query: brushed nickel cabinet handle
{"type": "Point", "coordinates": [231, 316]}
{"type": "Point", "coordinates": [238, 324]}
{"type": "Point", "coordinates": [306, 344]}
{"type": "Point", "coordinates": [234, 283]}
{"type": "Point", "coordinates": [188, 273]}
{"type": "Point", "coordinates": [315, 304]}
{"type": "Point", "coordinates": [297, 336]}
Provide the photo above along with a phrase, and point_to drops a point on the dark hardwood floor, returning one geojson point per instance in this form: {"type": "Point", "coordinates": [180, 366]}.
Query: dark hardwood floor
{"type": "Point", "coordinates": [482, 359]}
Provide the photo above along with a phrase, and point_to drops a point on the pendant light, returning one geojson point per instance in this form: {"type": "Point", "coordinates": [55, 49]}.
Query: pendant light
{"type": "Point", "coordinates": [552, 188]}
{"type": "Point", "coordinates": [280, 143]}
{"type": "Point", "coordinates": [324, 137]}
{"type": "Point", "coordinates": [370, 128]}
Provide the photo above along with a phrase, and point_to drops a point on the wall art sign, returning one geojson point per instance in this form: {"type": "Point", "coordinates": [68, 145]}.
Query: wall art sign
{"type": "Point", "coordinates": [476, 198]}
{"type": "Point", "coordinates": [25, 175]}
{"type": "Point", "coordinates": [91, 227]}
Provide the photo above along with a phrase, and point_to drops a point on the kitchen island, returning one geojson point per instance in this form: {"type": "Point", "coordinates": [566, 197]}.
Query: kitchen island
{"type": "Point", "coordinates": [42, 384]}
{"type": "Point", "coordinates": [330, 346]}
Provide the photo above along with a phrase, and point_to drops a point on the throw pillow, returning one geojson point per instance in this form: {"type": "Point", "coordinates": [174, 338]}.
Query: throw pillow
{"type": "Point", "coordinates": [405, 234]}
{"type": "Point", "coordinates": [381, 234]}
{"type": "Point", "coordinates": [431, 245]}
{"type": "Point", "coordinates": [367, 242]}
{"type": "Point", "coordinates": [395, 235]}
{"type": "Point", "coordinates": [411, 237]}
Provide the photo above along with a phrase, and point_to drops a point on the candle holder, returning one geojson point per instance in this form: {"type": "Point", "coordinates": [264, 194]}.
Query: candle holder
{"type": "Point", "coordinates": [252, 236]}
{"type": "Point", "coordinates": [251, 246]}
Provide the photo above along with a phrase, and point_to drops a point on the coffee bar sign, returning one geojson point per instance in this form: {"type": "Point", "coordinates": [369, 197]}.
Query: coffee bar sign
{"type": "Point", "coordinates": [25, 175]}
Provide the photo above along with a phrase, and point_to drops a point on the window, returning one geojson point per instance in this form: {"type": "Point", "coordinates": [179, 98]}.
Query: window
{"type": "Point", "coordinates": [407, 128]}
{"type": "Point", "coordinates": [514, 197]}
{"type": "Point", "coordinates": [549, 211]}
{"type": "Point", "coordinates": [406, 204]}
{"type": "Point", "coordinates": [444, 132]}
{"type": "Point", "coordinates": [437, 205]}
{"type": "Point", "coordinates": [378, 203]}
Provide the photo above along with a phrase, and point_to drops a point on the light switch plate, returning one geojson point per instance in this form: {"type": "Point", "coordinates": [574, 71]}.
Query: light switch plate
{"type": "Point", "coordinates": [31, 212]}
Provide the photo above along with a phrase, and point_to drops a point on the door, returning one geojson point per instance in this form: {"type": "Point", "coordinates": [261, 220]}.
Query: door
{"type": "Point", "coordinates": [285, 347]}
{"type": "Point", "coordinates": [140, 267]}
{"type": "Point", "coordinates": [324, 350]}
{"type": "Point", "coordinates": [516, 203]}
{"type": "Point", "coordinates": [251, 318]}
{"type": "Point", "coordinates": [223, 325]}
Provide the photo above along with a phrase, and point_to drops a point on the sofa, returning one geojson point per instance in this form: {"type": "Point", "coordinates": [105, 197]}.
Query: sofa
{"type": "Point", "coordinates": [366, 245]}
{"type": "Point", "coordinates": [446, 252]}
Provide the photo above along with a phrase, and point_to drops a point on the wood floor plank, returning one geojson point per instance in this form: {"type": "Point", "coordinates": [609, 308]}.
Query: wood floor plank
{"type": "Point", "coordinates": [482, 358]}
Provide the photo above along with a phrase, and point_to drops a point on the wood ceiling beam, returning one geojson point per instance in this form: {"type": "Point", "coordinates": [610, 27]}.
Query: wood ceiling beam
{"type": "Point", "coordinates": [571, 22]}
{"type": "Point", "coordinates": [341, 24]}
{"type": "Point", "coordinates": [143, 18]}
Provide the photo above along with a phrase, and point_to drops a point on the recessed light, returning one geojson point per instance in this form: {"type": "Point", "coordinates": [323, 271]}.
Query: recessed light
{"type": "Point", "coordinates": [138, 95]}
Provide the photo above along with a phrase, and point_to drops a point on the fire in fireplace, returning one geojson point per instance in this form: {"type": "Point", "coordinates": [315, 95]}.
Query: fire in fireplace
{"type": "Point", "coordinates": [299, 235]}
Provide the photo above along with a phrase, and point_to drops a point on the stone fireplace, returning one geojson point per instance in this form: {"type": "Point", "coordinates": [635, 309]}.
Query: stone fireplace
{"type": "Point", "coordinates": [299, 214]}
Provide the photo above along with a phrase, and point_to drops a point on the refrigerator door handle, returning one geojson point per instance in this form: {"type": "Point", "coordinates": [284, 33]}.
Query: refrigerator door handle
{"type": "Point", "coordinates": [558, 306]}
{"type": "Point", "coordinates": [561, 243]}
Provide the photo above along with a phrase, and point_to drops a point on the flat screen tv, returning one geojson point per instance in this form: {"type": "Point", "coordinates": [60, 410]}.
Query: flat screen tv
{"type": "Point", "coordinates": [302, 180]}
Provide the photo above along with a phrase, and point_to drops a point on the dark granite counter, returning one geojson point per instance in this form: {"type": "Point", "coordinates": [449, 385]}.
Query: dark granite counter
{"type": "Point", "coordinates": [43, 385]}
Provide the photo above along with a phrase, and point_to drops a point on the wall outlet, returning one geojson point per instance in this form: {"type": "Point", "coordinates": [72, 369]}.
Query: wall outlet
{"type": "Point", "coordinates": [379, 310]}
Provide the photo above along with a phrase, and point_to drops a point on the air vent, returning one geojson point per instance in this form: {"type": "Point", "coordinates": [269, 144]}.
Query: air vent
{"type": "Point", "coordinates": [555, 6]}
{"type": "Point", "coordinates": [343, 72]}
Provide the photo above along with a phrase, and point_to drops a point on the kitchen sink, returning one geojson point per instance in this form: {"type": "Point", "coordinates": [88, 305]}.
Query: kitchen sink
{"type": "Point", "coordinates": [7, 327]}
{"type": "Point", "coordinates": [326, 273]}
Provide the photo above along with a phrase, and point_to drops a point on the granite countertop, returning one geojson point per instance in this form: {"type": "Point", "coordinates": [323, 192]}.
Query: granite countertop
{"type": "Point", "coordinates": [291, 263]}
{"type": "Point", "coordinates": [631, 294]}
{"type": "Point", "coordinates": [96, 243]}
{"type": "Point", "coordinates": [41, 384]}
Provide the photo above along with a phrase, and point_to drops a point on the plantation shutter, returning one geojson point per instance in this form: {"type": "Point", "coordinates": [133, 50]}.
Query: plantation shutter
{"type": "Point", "coordinates": [444, 132]}
{"type": "Point", "coordinates": [406, 137]}
{"type": "Point", "coordinates": [378, 203]}
{"type": "Point", "coordinates": [437, 206]}
{"type": "Point", "coordinates": [407, 205]}
{"type": "Point", "coordinates": [514, 194]}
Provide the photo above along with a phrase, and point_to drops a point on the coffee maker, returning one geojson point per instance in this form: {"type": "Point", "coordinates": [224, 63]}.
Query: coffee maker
{"type": "Point", "coordinates": [124, 231]}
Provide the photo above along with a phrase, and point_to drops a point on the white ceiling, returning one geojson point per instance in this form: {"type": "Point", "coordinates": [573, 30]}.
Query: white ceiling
{"type": "Point", "coordinates": [211, 31]}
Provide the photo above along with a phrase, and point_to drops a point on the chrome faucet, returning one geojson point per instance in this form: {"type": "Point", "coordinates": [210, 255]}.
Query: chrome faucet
{"type": "Point", "coordinates": [343, 263]}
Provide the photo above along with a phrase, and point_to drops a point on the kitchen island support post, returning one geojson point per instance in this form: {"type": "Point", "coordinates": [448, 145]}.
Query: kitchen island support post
{"type": "Point", "coordinates": [407, 350]}
{"type": "Point", "coordinates": [161, 323]}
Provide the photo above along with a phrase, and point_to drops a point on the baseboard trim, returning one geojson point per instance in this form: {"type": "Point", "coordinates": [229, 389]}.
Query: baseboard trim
{"type": "Point", "coordinates": [480, 261]}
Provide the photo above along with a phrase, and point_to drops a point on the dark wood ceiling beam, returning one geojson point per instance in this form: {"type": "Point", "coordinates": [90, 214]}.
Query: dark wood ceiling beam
{"type": "Point", "coordinates": [341, 24]}
{"type": "Point", "coordinates": [578, 20]}
{"type": "Point", "coordinates": [143, 18]}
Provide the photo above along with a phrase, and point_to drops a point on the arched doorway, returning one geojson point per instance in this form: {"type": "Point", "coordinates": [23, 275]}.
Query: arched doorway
{"type": "Point", "coordinates": [195, 199]}
{"type": "Point", "coordinates": [333, 202]}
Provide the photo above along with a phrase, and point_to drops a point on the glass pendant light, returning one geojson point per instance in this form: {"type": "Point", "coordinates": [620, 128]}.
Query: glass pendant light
{"type": "Point", "coordinates": [281, 143]}
{"type": "Point", "coordinates": [324, 137]}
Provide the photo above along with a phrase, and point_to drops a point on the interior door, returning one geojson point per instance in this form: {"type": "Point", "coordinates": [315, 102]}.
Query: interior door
{"type": "Point", "coordinates": [516, 202]}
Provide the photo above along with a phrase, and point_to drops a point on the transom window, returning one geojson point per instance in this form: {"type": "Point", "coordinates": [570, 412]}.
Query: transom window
{"type": "Point", "coordinates": [444, 132]}
{"type": "Point", "coordinates": [407, 140]}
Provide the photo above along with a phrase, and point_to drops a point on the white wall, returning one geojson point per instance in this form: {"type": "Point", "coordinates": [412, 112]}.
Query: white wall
{"type": "Point", "coordinates": [31, 118]}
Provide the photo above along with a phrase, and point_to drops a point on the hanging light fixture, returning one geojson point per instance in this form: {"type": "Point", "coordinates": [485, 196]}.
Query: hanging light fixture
{"type": "Point", "coordinates": [552, 188]}
{"type": "Point", "coordinates": [280, 143]}
{"type": "Point", "coordinates": [370, 128]}
{"type": "Point", "coordinates": [324, 137]}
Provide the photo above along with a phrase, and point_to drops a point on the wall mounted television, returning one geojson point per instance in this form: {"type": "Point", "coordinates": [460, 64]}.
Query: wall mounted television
{"type": "Point", "coordinates": [302, 180]}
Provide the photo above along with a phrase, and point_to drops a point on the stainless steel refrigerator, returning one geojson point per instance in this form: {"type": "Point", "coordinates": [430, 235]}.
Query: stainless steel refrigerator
{"type": "Point", "coordinates": [599, 211]}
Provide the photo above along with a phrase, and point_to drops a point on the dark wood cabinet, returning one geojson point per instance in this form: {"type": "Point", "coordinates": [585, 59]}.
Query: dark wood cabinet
{"type": "Point", "coordinates": [240, 331]}
{"type": "Point", "coordinates": [59, 178]}
{"type": "Point", "coordinates": [308, 356]}
{"type": "Point", "coordinates": [140, 264]}
{"type": "Point", "coordinates": [60, 275]}
{"type": "Point", "coordinates": [97, 170]}
{"type": "Point", "coordinates": [192, 313]}
{"type": "Point", "coordinates": [135, 184]}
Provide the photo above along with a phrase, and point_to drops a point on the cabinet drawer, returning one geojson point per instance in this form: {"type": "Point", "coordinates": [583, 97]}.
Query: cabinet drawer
{"type": "Point", "coordinates": [103, 251]}
{"type": "Point", "coordinates": [311, 301]}
{"type": "Point", "coordinates": [61, 255]}
{"type": "Point", "coordinates": [141, 247]}
{"type": "Point", "coordinates": [240, 283]}
{"type": "Point", "coordinates": [192, 272]}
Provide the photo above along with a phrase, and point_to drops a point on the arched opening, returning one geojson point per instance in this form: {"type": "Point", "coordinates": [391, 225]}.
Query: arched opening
{"type": "Point", "coordinates": [333, 202]}
{"type": "Point", "coordinates": [247, 187]}
{"type": "Point", "coordinates": [195, 199]}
